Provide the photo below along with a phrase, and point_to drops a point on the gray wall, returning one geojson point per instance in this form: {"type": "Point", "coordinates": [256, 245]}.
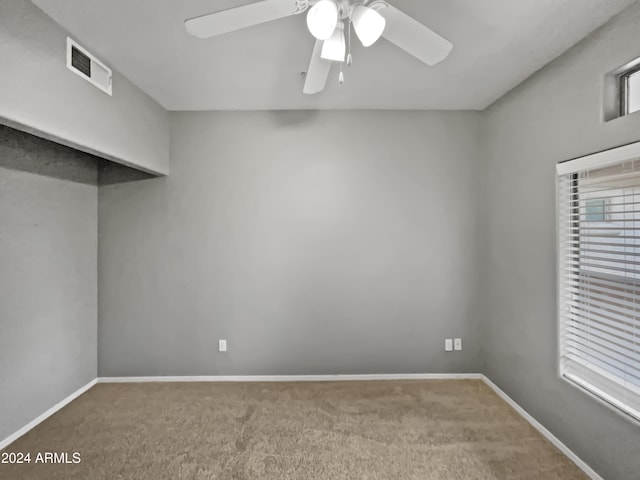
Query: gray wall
{"type": "Point", "coordinates": [40, 95]}
{"type": "Point", "coordinates": [48, 275]}
{"type": "Point", "coordinates": [314, 242]}
{"type": "Point", "coordinates": [556, 115]}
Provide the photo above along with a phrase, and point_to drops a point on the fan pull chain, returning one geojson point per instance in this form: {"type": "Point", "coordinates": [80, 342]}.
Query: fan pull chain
{"type": "Point", "coordinates": [349, 57]}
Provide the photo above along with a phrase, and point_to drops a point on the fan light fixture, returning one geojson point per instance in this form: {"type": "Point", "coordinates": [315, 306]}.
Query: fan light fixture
{"type": "Point", "coordinates": [368, 23]}
{"type": "Point", "coordinates": [331, 22]}
{"type": "Point", "coordinates": [322, 19]}
{"type": "Point", "coordinates": [335, 48]}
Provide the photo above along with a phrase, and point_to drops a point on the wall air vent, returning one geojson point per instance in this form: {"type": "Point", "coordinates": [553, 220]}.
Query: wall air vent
{"type": "Point", "coordinates": [82, 63]}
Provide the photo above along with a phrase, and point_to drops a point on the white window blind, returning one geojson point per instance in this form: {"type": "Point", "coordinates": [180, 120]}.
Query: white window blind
{"type": "Point", "coordinates": [599, 256]}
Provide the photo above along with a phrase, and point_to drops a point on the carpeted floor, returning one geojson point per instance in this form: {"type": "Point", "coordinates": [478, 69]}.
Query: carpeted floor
{"type": "Point", "coordinates": [427, 430]}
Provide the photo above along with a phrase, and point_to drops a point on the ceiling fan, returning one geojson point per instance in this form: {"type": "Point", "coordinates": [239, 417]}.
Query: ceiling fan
{"type": "Point", "coordinates": [330, 22]}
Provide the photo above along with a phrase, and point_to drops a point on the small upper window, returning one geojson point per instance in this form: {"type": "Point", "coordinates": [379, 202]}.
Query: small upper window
{"type": "Point", "coordinates": [630, 91]}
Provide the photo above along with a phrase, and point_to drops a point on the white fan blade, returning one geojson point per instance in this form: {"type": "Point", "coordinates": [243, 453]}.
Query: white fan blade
{"type": "Point", "coordinates": [234, 19]}
{"type": "Point", "coordinates": [413, 37]}
{"type": "Point", "coordinates": [318, 71]}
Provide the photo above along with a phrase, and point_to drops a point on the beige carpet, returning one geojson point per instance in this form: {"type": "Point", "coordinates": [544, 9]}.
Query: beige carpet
{"type": "Point", "coordinates": [431, 430]}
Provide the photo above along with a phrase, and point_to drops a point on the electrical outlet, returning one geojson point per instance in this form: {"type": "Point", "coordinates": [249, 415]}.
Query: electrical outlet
{"type": "Point", "coordinates": [448, 345]}
{"type": "Point", "coordinates": [222, 345]}
{"type": "Point", "coordinates": [457, 344]}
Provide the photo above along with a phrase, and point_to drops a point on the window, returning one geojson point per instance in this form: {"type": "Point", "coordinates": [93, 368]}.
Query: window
{"type": "Point", "coordinates": [621, 94]}
{"type": "Point", "coordinates": [630, 91]}
{"type": "Point", "coordinates": [599, 275]}
{"type": "Point", "coordinates": [595, 210]}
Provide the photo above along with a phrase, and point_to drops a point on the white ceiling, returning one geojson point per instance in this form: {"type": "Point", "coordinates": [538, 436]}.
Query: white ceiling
{"type": "Point", "coordinates": [497, 44]}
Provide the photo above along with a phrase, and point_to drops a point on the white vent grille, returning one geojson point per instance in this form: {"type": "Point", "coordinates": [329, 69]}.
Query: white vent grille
{"type": "Point", "coordinates": [85, 65]}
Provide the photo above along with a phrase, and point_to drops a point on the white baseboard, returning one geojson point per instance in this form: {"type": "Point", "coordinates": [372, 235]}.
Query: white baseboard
{"type": "Point", "coordinates": [14, 436]}
{"type": "Point", "coordinates": [295, 378]}
{"type": "Point", "coordinates": [545, 433]}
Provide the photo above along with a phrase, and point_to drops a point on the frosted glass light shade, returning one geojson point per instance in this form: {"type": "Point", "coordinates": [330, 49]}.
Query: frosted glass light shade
{"type": "Point", "coordinates": [322, 19]}
{"type": "Point", "coordinates": [335, 47]}
{"type": "Point", "coordinates": [369, 24]}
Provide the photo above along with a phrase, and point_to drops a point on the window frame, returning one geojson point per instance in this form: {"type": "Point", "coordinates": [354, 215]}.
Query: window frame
{"type": "Point", "coordinates": [570, 169]}
{"type": "Point", "coordinates": [624, 93]}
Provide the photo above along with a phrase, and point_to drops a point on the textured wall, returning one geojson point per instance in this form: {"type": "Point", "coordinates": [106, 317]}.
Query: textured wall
{"type": "Point", "coordinates": [48, 275]}
{"type": "Point", "coordinates": [327, 242]}
{"type": "Point", "coordinates": [556, 115]}
{"type": "Point", "coordinates": [40, 95]}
